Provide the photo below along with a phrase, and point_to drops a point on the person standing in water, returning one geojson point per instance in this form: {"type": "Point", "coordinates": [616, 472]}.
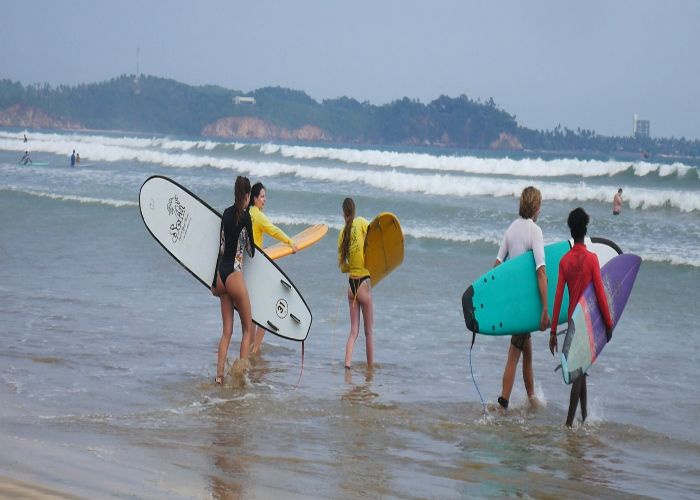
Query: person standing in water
{"type": "Point", "coordinates": [617, 202]}
{"type": "Point", "coordinates": [77, 159]}
{"type": "Point", "coordinates": [576, 270]}
{"type": "Point", "coordinates": [351, 259]}
{"type": "Point", "coordinates": [25, 160]}
{"type": "Point", "coordinates": [523, 235]}
{"type": "Point", "coordinates": [262, 225]}
{"type": "Point", "coordinates": [236, 231]}
{"type": "Point", "coordinates": [72, 159]}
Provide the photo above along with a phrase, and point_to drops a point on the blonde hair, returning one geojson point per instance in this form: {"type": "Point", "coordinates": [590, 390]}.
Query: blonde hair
{"type": "Point", "coordinates": [530, 201]}
{"type": "Point", "coordinates": [349, 213]}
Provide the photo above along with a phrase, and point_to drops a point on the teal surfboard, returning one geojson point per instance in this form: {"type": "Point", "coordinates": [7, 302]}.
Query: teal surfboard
{"type": "Point", "coordinates": [506, 300]}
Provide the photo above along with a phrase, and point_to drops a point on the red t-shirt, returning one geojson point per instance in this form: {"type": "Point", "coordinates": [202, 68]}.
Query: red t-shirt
{"type": "Point", "coordinates": [577, 269]}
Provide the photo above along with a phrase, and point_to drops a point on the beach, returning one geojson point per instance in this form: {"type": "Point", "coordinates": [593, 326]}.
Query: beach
{"type": "Point", "coordinates": [109, 346]}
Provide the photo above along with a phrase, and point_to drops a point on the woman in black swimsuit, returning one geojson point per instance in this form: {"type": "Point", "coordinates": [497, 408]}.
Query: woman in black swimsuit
{"type": "Point", "coordinates": [236, 238]}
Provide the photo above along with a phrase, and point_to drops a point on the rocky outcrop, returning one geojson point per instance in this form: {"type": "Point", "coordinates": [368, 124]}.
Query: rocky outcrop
{"type": "Point", "coordinates": [23, 116]}
{"type": "Point", "coordinates": [238, 127]}
{"type": "Point", "coordinates": [506, 141]}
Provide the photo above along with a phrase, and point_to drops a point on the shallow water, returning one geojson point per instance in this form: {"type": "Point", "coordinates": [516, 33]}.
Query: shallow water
{"type": "Point", "coordinates": [108, 346]}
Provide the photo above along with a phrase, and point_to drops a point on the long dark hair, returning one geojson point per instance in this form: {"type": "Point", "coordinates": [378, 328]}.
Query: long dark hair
{"type": "Point", "coordinates": [241, 189]}
{"type": "Point", "coordinates": [349, 213]}
{"type": "Point", "coordinates": [255, 192]}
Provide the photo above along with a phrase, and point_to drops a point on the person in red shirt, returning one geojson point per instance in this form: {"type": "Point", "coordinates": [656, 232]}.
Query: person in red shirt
{"type": "Point", "coordinates": [577, 269]}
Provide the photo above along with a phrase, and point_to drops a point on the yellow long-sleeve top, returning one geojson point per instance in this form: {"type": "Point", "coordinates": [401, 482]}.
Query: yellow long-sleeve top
{"type": "Point", "coordinates": [262, 225]}
{"type": "Point", "coordinates": [355, 263]}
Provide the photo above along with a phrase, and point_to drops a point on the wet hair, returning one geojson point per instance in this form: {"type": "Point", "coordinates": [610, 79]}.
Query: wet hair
{"type": "Point", "coordinates": [349, 213]}
{"type": "Point", "coordinates": [530, 201]}
{"type": "Point", "coordinates": [578, 223]}
{"type": "Point", "coordinates": [255, 192]}
{"type": "Point", "coordinates": [619, 190]}
{"type": "Point", "coordinates": [241, 189]}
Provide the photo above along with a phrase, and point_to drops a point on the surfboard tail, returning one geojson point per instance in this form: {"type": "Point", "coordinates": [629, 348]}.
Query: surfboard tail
{"type": "Point", "coordinates": [469, 311]}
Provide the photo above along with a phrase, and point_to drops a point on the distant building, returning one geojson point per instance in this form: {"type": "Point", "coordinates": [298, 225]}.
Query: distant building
{"type": "Point", "coordinates": [640, 128]}
{"type": "Point", "coordinates": [243, 100]}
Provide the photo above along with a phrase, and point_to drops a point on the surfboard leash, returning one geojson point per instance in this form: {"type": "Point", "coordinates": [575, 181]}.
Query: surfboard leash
{"type": "Point", "coordinates": [301, 372]}
{"type": "Point", "coordinates": [472, 374]}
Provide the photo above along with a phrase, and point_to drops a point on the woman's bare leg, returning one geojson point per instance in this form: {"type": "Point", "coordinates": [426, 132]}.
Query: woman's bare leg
{"type": "Point", "coordinates": [237, 290]}
{"type": "Point", "coordinates": [226, 332]}
{"type": "Point", "coordinates": [354, 327]}
{"type": "Point", "coordinates": [364, 297]}
{"type": "Point", "coordinates": [257, 339]}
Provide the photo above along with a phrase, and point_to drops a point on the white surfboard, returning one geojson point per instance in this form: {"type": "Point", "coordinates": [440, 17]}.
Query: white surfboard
{"type": "Point", "coordinates": [188, 229]}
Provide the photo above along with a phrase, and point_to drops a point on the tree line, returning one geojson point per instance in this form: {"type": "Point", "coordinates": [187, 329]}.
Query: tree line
{"type": "Point", "coordinates": [158, 105]}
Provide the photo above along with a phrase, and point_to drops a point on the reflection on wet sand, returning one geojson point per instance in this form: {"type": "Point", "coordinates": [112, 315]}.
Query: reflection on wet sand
{"type": "Point", "coordinates": [228, 450]}
{"type": "Point", "coordinates": [360, 438]}
{"type": "Point", "coordinates": [359, 393]}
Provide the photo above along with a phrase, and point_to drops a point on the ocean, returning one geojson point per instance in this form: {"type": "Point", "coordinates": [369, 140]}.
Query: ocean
{"type": "Point", "coordinates": [109, 347]}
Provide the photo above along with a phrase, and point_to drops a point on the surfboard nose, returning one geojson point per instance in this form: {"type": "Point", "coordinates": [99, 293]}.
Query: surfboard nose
{"type": "Point", "coordinates": [469, 310]}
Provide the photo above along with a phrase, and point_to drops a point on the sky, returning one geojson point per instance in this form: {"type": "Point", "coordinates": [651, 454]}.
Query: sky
{"type": "Point", "coordinates": [591, 64]}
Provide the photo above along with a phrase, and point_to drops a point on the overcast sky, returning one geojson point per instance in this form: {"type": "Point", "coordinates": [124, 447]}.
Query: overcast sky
{"type": "Point", "coordinates": [589, 64]}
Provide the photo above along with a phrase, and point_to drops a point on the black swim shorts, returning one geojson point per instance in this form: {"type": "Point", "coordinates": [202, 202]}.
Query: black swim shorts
{"type": "Point", "coordinates": [519, 340]}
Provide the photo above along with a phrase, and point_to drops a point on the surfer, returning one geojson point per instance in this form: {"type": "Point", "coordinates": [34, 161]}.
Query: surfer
{"type": "Point", "coordinates": [617, 202]}
{"type": "Point", "coordinates": [72, 159]}
{"type": "Point", "coordinates": [25, 158]}
{"type": "Point", "coordinates": [77, 158]}
{"type": "Point", "coordinates": [577, 269]}
{"type": "Point", "coordinates": [351, 259]}
{"type": "Point", "coordinates": [25, 137]}
{"type": "Point", "coordinates": [236, 231]}
{"type": "Point", "coordinates": [523, 235]}
{"type": "Point", "coordinates": [262, 225]}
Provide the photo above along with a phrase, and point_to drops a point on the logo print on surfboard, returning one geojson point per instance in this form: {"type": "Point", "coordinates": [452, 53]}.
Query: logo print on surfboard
{"type": "Point", "coordinates": [178, 229]}
{"type": "Point", "coordinates": [282, 308]}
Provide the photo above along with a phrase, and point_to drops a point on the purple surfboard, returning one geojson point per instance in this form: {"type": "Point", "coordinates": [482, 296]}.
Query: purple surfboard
{"type": "Point", "coordinates": [585, 336]}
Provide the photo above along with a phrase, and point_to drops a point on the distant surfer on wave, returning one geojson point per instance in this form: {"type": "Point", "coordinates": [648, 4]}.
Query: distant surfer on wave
{"type": "Point", "coordinates": [523, 235]}
{"type": "Point", "coordinates": [577, 269]}
{"type": "Point", "coordinates": [351, 259]}
{"type": "Point", "coordinates": [262, 225]}
{"type": "Point", "coordinates": [236, 231]}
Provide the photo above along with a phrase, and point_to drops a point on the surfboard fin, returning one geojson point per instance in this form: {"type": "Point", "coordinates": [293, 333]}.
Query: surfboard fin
{"type": "Point", "coordinates": [557, 368]}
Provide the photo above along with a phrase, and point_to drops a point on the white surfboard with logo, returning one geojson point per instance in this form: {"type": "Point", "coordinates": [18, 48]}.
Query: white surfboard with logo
{"type": "Point", "coordinates": [188, 229]}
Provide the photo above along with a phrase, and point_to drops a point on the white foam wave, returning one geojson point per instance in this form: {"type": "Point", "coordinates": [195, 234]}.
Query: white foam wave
{"type": "Point", "coordinates": [392, 180]}
{"type": "Point", "coordinates": [533, 167]}
{"type": "Point", "coordinates": [38, 140]}
{"type": "Point", "coordinates": [71, 198]}
{"type": "Point", "coordinates": [530, 167]}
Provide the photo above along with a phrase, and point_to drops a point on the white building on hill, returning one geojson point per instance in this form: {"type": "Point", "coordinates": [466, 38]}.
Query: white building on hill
{"type": "Point", "coordinates": [243, 100]}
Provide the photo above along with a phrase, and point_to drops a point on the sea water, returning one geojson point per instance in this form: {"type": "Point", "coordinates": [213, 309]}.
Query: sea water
{"type": "Point", "coordinates": [108, 346]}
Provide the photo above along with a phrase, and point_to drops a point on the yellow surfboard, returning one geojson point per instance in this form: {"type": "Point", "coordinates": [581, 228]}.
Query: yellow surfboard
{"type": "Point", "coordinates": [383, 246]}
{"type": "Point", "coordinates": [306, 238]}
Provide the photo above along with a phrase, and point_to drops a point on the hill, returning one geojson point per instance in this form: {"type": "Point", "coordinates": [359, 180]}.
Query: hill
{"type": "Point", "coordinates": [158, 105]}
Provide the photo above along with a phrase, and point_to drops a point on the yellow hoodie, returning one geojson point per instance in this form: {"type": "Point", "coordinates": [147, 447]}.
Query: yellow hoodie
{"type": "Point", "coordinates": [261, 225]}
{"type": "Point", "coordinates": [355, 263]}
